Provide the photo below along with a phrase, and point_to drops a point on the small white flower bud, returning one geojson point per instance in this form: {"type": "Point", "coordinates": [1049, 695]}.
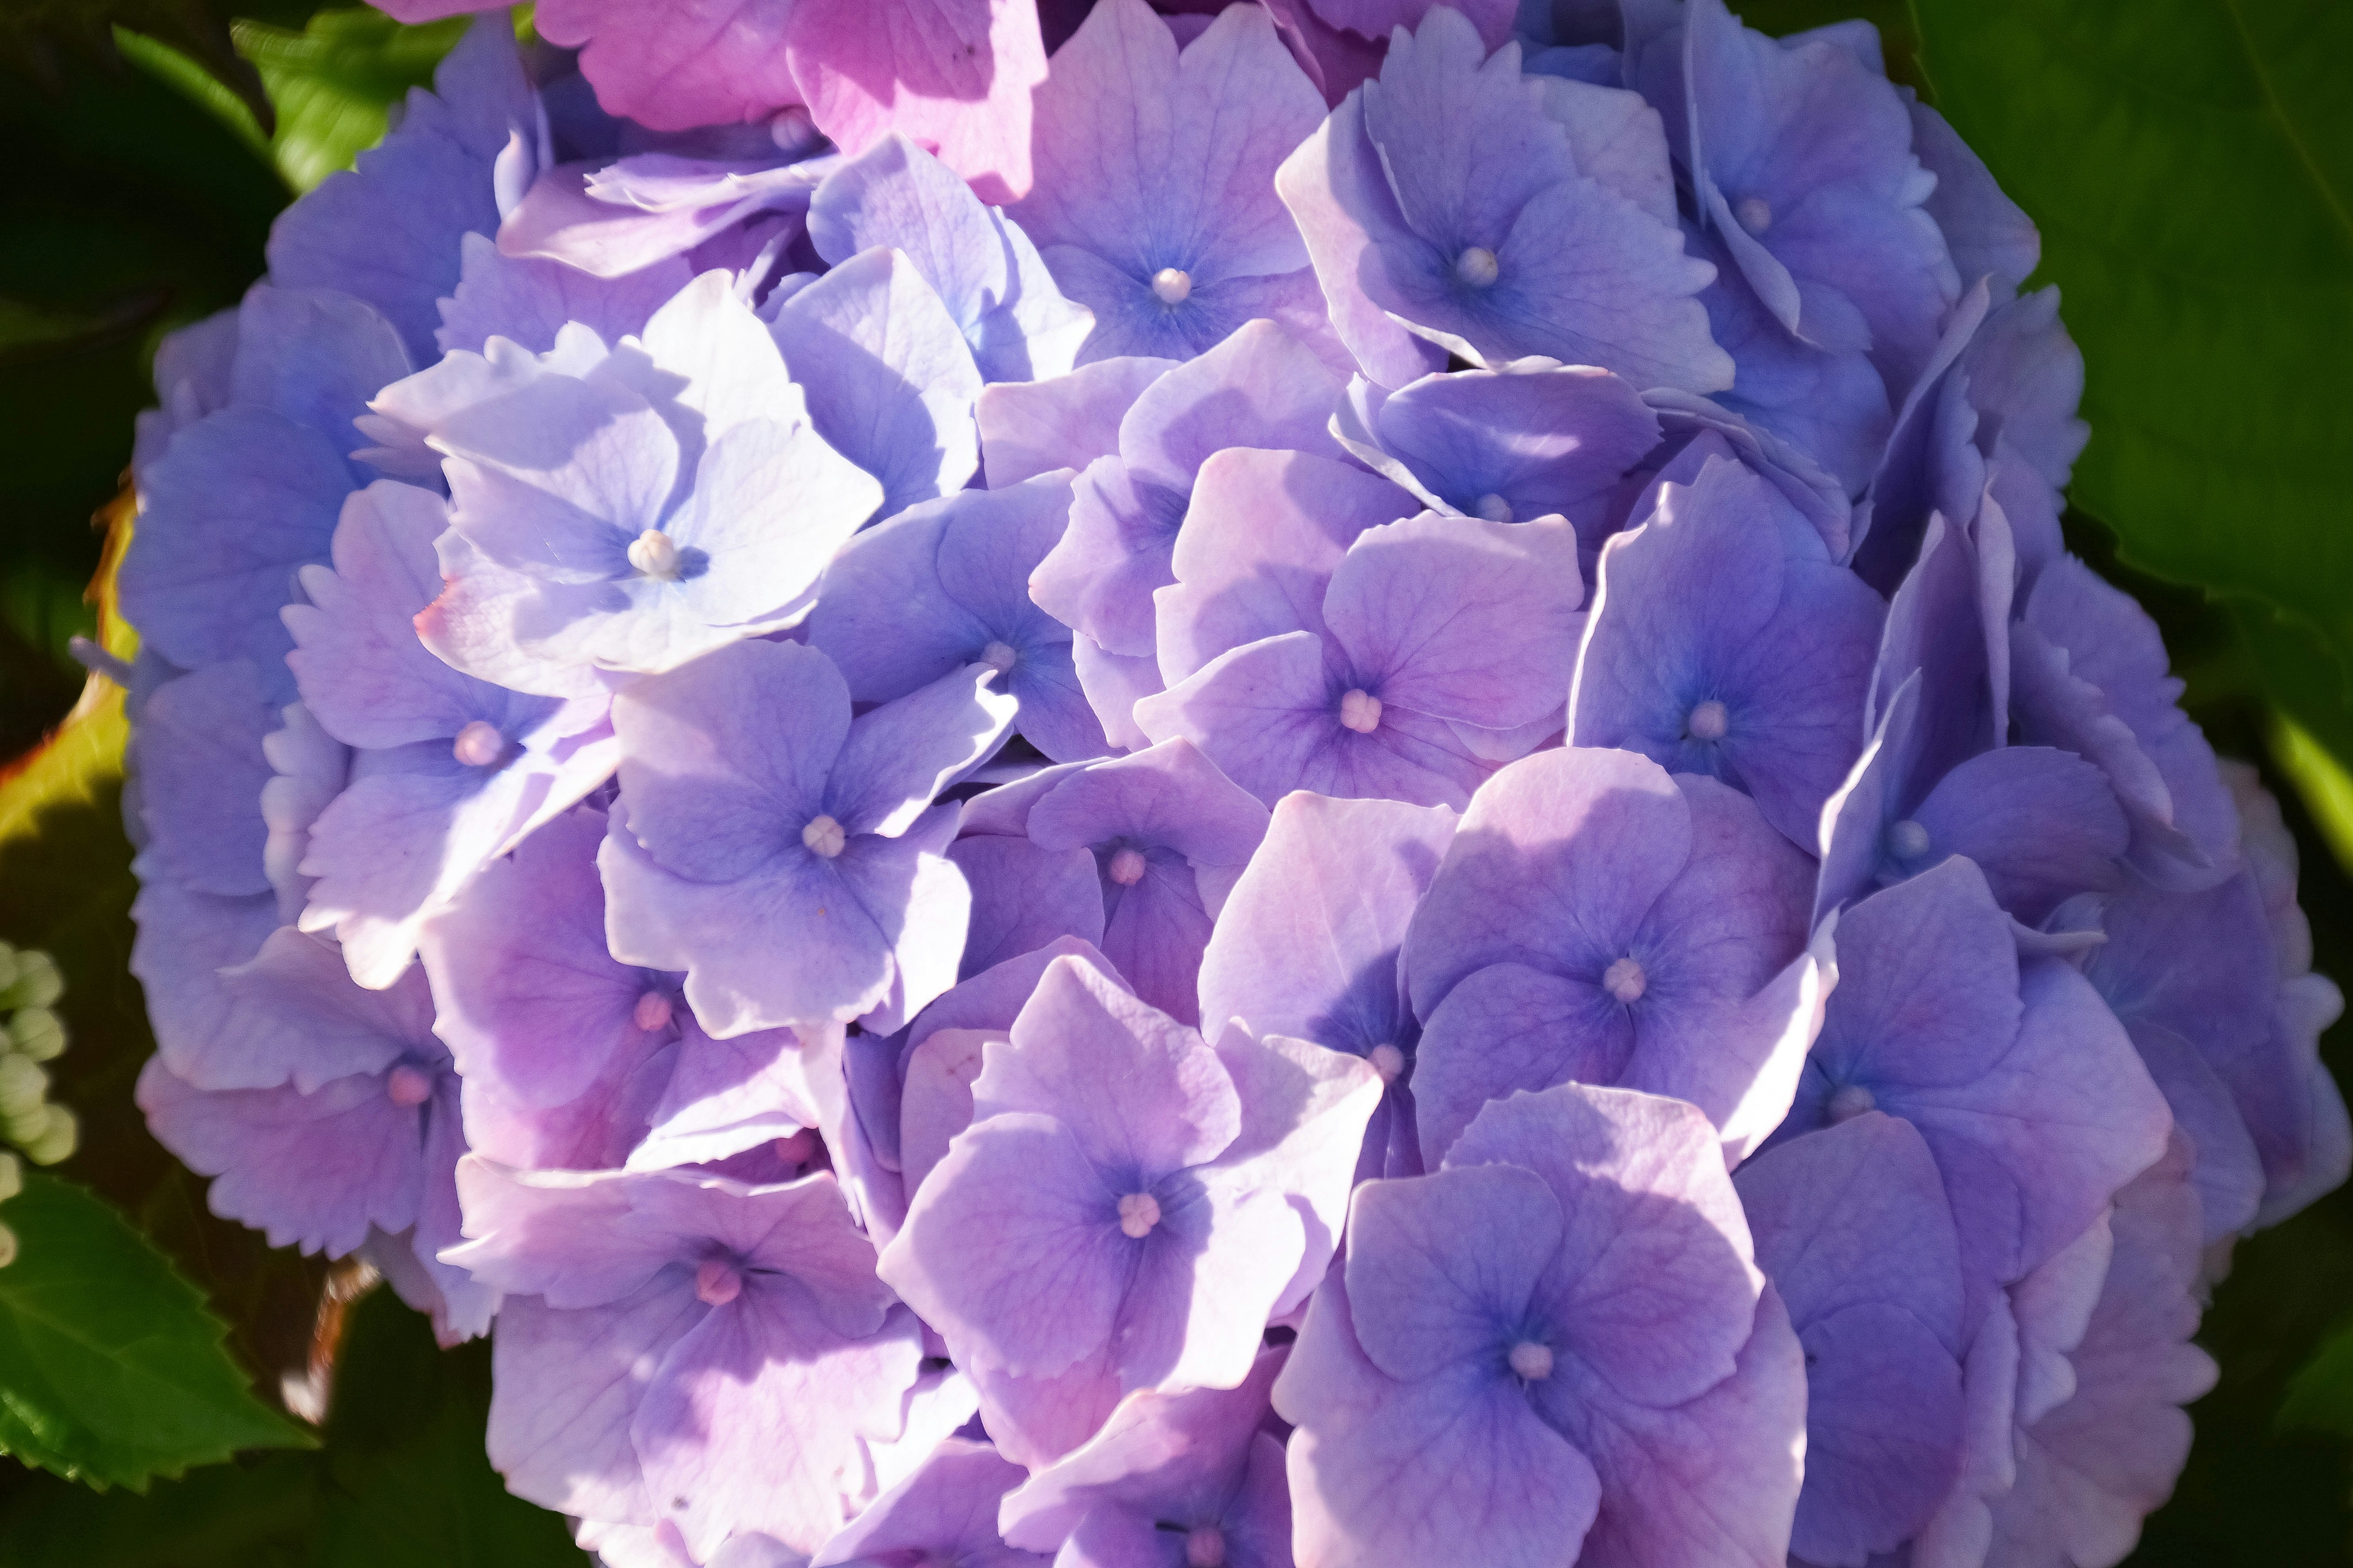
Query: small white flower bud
{"type": "Point", "coordinates": [1625, 981]}
{"type": "Point", "coordinates": [479, 744]}
{"type": "Point", "coordinates": [718, 1281]}
{"type": "Point", "coordinates": [1708, 721]}
{"type": "Point", "coordinates": [406, 1085]}
{"type": "Point", "coordinates": [1851, 1101]}
{"type": "Point", "coordinates": [655, 554]}
{"type": "Point", "coordinates": [1476, 266]}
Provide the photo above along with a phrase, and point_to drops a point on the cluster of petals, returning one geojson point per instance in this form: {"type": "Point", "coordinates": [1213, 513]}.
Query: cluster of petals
{"type": "Point", "coordinates": [1296, 784]}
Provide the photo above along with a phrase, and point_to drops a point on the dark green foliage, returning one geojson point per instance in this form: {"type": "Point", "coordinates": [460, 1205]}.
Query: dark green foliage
{"type": "Point", "coordinates": [114, 1370]}
{"type": "Point", "coordinates": [2191, 163]}
{"type": "Point", "coordinates": [130, 210]}
{"type": "Point", "coordinates": [403, 1478]}
{"type": "Point", "coordinates": [400, 1483]}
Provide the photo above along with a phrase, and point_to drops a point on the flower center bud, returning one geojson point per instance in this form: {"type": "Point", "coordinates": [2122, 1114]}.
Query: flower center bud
{"type": "Point", "coordinates": [653, 1011]}
{"type": "Point", "coordinates": [1625, 981]}
{"type": "Point", "coordinates": [1850, 1102]}
{"type": "Point", "coordinates": [824, 837]}
{"type": "Point", "coordinates": [479, 744]}
{"type": "Point", "coordinates": [999, 657]}
{"type": "Point", "coordinates": [1755, 213]}
{"type": "Point", "coordinates": [1532, 1361]}
{"type": "Point", "coordinates": [1360, 712]}
{"type": "Point", "coordinates": [406, 1085]}
{"type": "Point", "coordinates": [797, 1150]}
{"type": "Point", "coordinates": [1138, 1213]}
{"type": "Point", "coordinates": [1387, 1060]}
{"type": "Point", "coordinates": [794, 131]}
{"type": "Point", "coordinates": [1907, 840]}
{"type": "Point", "coordinates": [654, 554]}
{"type": "Point", "coordinates": [1205, 1547]}
{"type": "Point", "coordinates": [1172, 285]}
{"type": "Point", "coordinates": [1476, 266]}
{"type": "Point", "coordinates": [1708, 721]}
{"type": "Point", "coordinates": [1494, 507]}
{"type": "Point", "coordinates": [1128, 867]}
{"type": "Point", "coordinates": [717, 1281]}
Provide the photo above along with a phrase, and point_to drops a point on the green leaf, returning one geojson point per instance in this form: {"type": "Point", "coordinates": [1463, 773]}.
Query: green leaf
{"type": "Point", "coordinates": [2191, 163]}
{"type": "Point", "coordinates": [200, 86]}
{"type": "Point", "coordinates": [333, 81]}
{"type": "Point", "coordinates": [2325, 784]}
{"type": "Point", "coordinates": [401, 1481]}
{"type": "Point", "coordinates": [111, 1371]}
{"type": "Point", "coordinates": [2320, 1396]}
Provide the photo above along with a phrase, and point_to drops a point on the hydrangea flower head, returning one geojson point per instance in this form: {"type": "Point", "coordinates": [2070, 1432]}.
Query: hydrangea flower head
{"type": "Point", "coordinates": [1527, 440]}
{"type": "Point", "coordinates": [334, 1126]}
{"type": "Point", "coordinates": [1756, 683]}
{"type": "Point", "coordinates": [1852, 1226]}
{"type": "Point", "coordinates": [1154, 203]}
{"type": "Point", "coordinates": [1386, 684]}
{"type": "Point", "coordinates": [1319, 784]}
{"type": "Point", "coordinates": [2022, 1082]}
{"type": "Point", "coordinates": [1115, 1142]}
{"type": "Point", "coordinates": [826, 827]}
{"type": "Point", "coordinates": [955, 74]}
{"type": "Point", "coordinates": [449, 770]}
{"type": "Point", "coordinates": [645, 530]}
{"type": "Point", "coordinates": [1171, 1478]}
{"type": "Point", "coordinates": [1491, 1336]}
{"type": "Point", "coordinates": [985, 270]}
{"type": "Point", "coordinates": [1596, 920]}
{"type": "Point", "coordinates": [248, 494]}
{"type": "Point", "coordinates": [1147, 846]}
{"type": "Point", "coordinates": [684, 1284]}
{"type": "Point", "coordinates": [1448, 211]}
{"type": "Point", "coordinates": [947, 584]}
